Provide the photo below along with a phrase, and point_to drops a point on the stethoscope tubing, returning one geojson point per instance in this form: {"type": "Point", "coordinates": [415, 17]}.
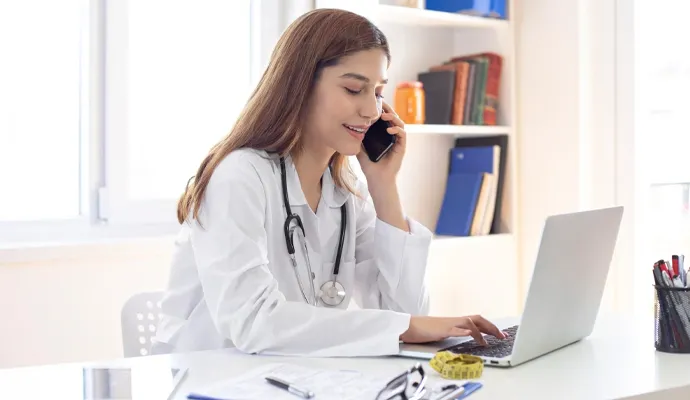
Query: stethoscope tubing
{"type": "Point", "coordinates": [289, 231]}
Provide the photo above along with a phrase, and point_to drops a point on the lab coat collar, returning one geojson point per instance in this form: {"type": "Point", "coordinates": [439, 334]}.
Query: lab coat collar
{"type": "Point", "coordinates": [332, 195]}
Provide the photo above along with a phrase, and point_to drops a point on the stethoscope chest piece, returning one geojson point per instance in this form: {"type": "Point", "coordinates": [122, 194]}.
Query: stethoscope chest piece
{"type": "Point", "coordinates": [332, 293]}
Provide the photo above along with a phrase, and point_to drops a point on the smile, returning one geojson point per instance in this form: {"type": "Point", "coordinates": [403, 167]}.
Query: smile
{"type": "Point", "coordinates": [360, 130]}
{"type": "Point", "coordinates": [357, 133]}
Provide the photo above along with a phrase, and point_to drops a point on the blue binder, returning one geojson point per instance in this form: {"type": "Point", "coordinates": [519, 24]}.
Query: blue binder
{"type": "Point", "coordinates": [484, 8]}
{"type": "Point", "coordinates": [459, 203]}
{"type": "Point", "coordinates": [473, 160]}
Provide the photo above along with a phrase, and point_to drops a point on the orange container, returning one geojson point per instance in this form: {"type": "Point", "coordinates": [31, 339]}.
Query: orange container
{"type": "Point", "coordinates": [409, 102]}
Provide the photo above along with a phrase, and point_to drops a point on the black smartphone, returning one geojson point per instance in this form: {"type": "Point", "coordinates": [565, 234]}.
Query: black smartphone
{"type": "Point", "coordinates": [377, 141]}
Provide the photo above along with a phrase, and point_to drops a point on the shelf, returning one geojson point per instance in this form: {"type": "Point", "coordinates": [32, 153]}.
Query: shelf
{"type": "Point", "coordinates": [471, 240]}
{"type": "Point", "coordinates": [416, 17]}
{"type": "Point", "coordinates": [457, 130]}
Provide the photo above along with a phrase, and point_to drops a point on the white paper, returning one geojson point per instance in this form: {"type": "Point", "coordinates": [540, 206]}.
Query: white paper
{"type": "Point", "coordinates": [326, 384]}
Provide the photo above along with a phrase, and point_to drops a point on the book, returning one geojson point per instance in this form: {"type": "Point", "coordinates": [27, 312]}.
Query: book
{"type": "Point", "coordinates": [470, 93]}
{"type": "Point", "coordinates": [439, 87]}
{"type": "Point", "coordinates": [462, 69]}
{"type": "Point", "coordinates": [487, 81]}
{"type": "Point", "coordinates": [471, 97]}
{"type": "Point", "coordinates": [460, 199]}
{"type": "Point", "coordinates": [501, 141]}
{"type": "Point", "coordinates": [484, 159]}
{"type": "Point", "coordinates": [483, 211]}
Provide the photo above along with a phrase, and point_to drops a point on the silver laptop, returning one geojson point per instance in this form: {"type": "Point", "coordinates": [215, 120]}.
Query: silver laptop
{"type": "Point", "coordinates": [563, 298]}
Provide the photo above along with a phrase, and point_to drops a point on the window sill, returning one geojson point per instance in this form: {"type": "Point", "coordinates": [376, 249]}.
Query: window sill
{"type": "Point", "coordinates": [50, 241]}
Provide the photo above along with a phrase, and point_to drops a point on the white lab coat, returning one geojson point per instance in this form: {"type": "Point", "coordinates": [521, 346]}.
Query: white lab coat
{"type": "Point", "coordinates": [232, 283]}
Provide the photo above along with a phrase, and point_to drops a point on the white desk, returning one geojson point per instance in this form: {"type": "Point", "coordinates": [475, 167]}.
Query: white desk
{"type": "Point", "coordinates": [617, 361]}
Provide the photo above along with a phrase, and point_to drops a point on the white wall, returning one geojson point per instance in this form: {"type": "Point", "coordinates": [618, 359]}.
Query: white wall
{"type": "Point", "coordinates": [566, 116]}
{"type": "Point", "coordinates": [67, 307]}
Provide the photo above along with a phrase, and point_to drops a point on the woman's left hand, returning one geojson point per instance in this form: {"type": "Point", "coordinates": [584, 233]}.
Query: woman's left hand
{"type": "Point", "coordinates": [386, 169]}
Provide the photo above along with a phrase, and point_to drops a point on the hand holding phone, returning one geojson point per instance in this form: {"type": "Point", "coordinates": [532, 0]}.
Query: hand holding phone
{"type": "Point", "coordinates": [378, 141]}
{"type": "Point", "coordinates": [383, 149]}
{"type": "Point", "coordinates": [380, 159]}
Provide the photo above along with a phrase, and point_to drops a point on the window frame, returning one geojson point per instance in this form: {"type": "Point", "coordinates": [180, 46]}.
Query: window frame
{"type": "Point", "coordinates": [633, 281]}
{"type": "Point", "coordinates": [104, 214]}
{"type": "Point", "coordinates": [22, 233]}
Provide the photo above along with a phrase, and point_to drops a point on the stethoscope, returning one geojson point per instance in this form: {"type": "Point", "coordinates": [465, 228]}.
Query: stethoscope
{"type": "Point", "coordinates": [332, 291]}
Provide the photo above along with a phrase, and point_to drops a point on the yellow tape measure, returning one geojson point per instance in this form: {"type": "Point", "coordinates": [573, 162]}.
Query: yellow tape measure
{"type": "Point", "coordinates": [457, 366]}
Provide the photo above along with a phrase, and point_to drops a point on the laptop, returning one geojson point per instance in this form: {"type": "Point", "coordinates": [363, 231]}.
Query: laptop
{"type": "Point", "coordinates": [563, 298]}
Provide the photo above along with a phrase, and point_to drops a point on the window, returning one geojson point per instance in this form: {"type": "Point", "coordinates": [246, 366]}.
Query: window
{"type": "Point", "coordinates": [180, 75]}
{"type": "Point", "coordinates": [40, 109]}
{"type": "Point", "coordinates": [664, 71]}
{"type": "Point", "coordinates": [654, 179]}
{"type": "Point", "coordinates": [107, 108]}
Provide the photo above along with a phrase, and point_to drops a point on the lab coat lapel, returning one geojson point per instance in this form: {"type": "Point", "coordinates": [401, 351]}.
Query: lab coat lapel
{"type": "Point", "coordinates": [323, 232]}
{"type": "Point", "coordinates": [332, 198]}
{"type": "Point", "coordinates": [298, 203]}
{"type": "Point", "coordinates": [295, 193]}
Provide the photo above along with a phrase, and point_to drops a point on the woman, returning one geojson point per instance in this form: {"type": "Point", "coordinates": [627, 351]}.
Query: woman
{"type": "Point", "coordinates": [233, 282]}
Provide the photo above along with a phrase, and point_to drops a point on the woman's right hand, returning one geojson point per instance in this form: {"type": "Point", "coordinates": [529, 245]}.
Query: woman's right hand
{"type": "Point", "coordinates": [430, 329]}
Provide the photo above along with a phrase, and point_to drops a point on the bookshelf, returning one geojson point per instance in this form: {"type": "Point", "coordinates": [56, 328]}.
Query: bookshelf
{"type": "Point", "coordinates": [456, 130]}
{"type": "Point", "coordinates": [392, 14]}
{"type": "Point", "coordinates": [466, 275]}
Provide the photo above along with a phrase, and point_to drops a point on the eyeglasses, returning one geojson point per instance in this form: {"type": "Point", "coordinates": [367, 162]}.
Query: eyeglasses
{"type": "Point", "coordinates": [410, 385]}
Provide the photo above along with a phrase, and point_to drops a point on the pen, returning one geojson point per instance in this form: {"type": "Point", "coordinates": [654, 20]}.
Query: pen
{"type": "Point", "coordinates": [455, 391]}
{"type": "Point", "coordinates": [177, 381]}
{"type": "Point", "coordinates": [470, 387]}
{"type": "Point", "coordinates": [304, 393]}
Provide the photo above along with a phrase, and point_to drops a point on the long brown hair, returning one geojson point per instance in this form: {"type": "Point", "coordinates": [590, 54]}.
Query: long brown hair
{"type": "Point", "coordinates": [271, 118]}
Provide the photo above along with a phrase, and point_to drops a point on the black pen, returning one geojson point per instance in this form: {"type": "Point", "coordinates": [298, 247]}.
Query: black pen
{"type": "Point", "coordinates": [307, 394]}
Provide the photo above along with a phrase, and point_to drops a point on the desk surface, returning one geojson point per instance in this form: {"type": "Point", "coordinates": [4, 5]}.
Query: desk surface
{"type": "Point", "coordinates": [617, 361]}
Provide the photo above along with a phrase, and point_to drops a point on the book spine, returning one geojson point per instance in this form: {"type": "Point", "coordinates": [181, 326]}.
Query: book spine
{"type": "Point", "coordinates": [493, 82]}
{"type": "Point", "coordinates": [461, 93]}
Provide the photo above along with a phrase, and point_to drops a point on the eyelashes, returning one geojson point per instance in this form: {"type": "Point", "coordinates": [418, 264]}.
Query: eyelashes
{"type": "Point", "coordinates": [356, 92]}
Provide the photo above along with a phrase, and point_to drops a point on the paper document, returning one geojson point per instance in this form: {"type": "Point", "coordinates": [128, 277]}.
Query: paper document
{"type": "Point", "coordinates": [326, 384]}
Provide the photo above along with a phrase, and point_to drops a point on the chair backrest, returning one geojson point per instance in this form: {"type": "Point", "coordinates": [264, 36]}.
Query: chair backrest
{"type": "Point", "coordinates": [139, 319]}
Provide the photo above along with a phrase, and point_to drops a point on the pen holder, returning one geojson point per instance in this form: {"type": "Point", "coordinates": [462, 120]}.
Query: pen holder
{"type": "Point", "coordinates": [672, 319]}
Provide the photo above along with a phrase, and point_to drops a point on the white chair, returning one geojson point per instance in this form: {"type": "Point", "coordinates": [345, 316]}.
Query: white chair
{"type": "Point", "coordinates": [139, 319]}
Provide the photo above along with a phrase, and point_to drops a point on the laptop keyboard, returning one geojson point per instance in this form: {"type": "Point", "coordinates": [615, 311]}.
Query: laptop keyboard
{"type": "Point", "coordinates": [495, 347]}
